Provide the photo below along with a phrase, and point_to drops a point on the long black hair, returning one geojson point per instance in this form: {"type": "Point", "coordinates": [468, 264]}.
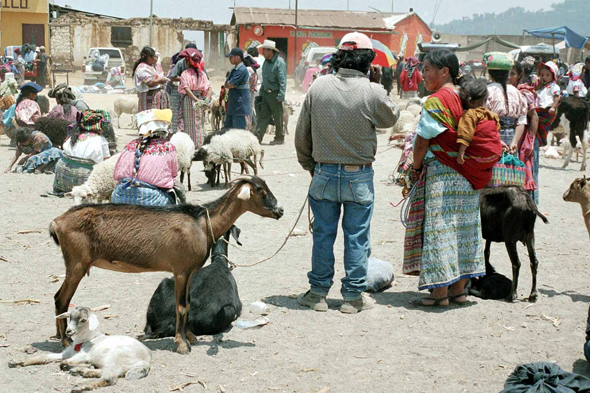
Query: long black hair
{"type": "Point", "coordinates": [444, 58]}
{"type": "Point", "coordinates": [145, 53]}
{"type": "Point", "coordinates": [359, 59]}
{"type": "Point", "coordinates": [24, 93]}
{"type": "Point", "coordinates": [23, 134]}
{"type": "Point", "coordinates": [501, 77]}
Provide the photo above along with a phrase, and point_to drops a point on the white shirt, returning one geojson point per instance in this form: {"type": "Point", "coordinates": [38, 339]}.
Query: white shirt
{"type": "Point", "coordinates": [580, 84]}
{"type": "Point", "coordinates": [547, 94]}
{"type": "Point", "coordinates": [260, 60]}
{"type": "Point", "coordinates": [94, 147]}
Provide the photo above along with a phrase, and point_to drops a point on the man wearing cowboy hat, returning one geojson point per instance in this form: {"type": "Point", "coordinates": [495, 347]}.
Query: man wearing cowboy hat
{"type": "Point", "coordinates": [272, 91]}
{"type": "Point", "coordinates": [336, 140]}
{"type": "Point", "coordinates": [238, 106]}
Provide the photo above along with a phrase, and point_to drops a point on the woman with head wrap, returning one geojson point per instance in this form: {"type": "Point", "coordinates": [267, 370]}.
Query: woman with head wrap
{"type": "Point", "coordinates": [147, 167]}
{"type": "Point", "coordinates": [148, 82]}
{"type": "Point", "coordinates": [64, 109]}
{"type": "Point", "coordinates": [410, 78]}
{"type": "Point", "coordinates": [194, 86]}
{"type": "Point", "coordinates": [84, 148]}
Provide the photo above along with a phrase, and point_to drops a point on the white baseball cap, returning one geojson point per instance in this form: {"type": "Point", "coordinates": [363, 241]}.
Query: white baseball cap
{"type": "Point", "coordinates": [354, 41]}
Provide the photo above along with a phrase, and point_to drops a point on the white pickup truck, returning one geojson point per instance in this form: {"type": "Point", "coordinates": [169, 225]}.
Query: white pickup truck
{"type": "Point", "coordinates": [96, 70]}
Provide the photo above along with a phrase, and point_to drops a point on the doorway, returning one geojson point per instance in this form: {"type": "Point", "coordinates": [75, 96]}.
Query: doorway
{"type": "Point", "coordinates": [34, 34]}
{"type": "Point", "coordinates": [282, 46]}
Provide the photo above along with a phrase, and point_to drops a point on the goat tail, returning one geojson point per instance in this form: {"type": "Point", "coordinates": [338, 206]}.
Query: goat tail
{"type": "Point", "coordinates": [261, 158]}
{"type": "Point", "coordinates": [225, 316]}
{"type": "Point", "coordinates": [534, 209]}
{"type": "Point", "coordinates": [53, 232]}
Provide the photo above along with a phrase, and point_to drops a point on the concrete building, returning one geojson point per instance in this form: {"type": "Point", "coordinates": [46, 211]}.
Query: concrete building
{"type": "Point", "coordinates": [24, 22]}
{"type": "Point", "coordinates": [74, 33]}
{"type": "Point", "coordinates": [400, 32]}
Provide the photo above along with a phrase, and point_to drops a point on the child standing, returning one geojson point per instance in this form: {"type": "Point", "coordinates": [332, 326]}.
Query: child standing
{"type": "Point", "coordinates": [473, 95]}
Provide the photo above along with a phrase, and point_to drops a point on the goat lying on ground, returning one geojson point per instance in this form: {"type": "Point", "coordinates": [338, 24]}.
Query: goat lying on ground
{"type": "Point", "coordinates": [577, 113]}
{"type": "Point", "coordinates": [508, 216]}
{"type": "Point", "coordinates": [491, 286]}
{"type": "Point", "coordinates": [214, 298]}
{"type": "Point", "coordinates": [579, 192]}
{"type": "Point", "coordinates": [135, 239]}
{"type": "Point", "coordinates": [111, 356]}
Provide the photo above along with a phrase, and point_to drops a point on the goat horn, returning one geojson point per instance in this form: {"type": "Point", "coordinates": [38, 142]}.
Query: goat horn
{"type": "Point", "coordinates": [65, 315]}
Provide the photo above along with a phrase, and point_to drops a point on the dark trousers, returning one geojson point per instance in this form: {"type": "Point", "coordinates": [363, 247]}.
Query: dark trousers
{"type": "Point", "coordinates": [235, 121]}
{"type": "Point", "coordinates": [270, 108]}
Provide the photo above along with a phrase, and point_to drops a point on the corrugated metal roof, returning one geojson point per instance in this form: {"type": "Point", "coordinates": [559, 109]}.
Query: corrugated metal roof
{"type": "Point", "coordinates": [317, 18]}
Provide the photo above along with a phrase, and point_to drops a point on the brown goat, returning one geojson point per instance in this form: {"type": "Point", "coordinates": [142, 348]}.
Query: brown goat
{"type": "Point", "coordinates": [579, 192]}
{"type": "Point", "coordinates": [136, 239]}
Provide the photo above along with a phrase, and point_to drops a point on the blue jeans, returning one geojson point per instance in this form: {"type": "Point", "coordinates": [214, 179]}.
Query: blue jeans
{"type": "Point", "coordinates": [536, 171]}
{"type": "Point", "coordinates": [235, 121]}
{"type": "Point", "coordinates": [331, 189]}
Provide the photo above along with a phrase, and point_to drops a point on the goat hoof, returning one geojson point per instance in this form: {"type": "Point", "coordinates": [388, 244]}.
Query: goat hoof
{"type": "Point", "coordinates": [14, 363]}
{"type": "Point", "coordinates": [533, 298]}
{"type": "Point", "coordinates": [63, 366]}
{"type": "Point", "coordinates": [183, 348]}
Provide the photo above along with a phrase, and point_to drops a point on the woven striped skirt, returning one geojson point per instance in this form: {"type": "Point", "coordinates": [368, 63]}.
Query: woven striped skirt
{"type": "Point", "coordinates": [452, 246]}
{"type": "Point", "coordinates": [507, 129]}
{"type": "Point", "coordinates": [153, 99]}
{"type": "Point", "coordinates": [142, 194]}
{"type": "Point", "coordinates": [192, 120]}
{"type": "Point", "coordinates": [71, 172]}
{"type": "Point", "coordinates": [174, 102]}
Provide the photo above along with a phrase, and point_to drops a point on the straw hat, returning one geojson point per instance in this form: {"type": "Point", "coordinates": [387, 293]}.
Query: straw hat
{"type": "Point", "coordinates": [268, 44]}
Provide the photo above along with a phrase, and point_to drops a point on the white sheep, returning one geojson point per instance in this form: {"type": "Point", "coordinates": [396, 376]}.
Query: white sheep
{"type": "Point", "coordinates": [405, 123]}
{"type": "Point", "coordinates": [99, 186]}
{"type": "Point", "coordinates": [123, 105]}
{"type": "Point", "coordinates": [415, 109]}
{"type": "Point", "coordinates": [185, 152]}
{"type": "Point", "coordinates": [111, 356]}
{"type": "Point", "coordinates": [234, 146]}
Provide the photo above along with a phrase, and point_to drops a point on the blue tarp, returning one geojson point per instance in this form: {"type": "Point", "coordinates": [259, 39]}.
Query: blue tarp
{"type": "Point", "coordinates": [572, 39]}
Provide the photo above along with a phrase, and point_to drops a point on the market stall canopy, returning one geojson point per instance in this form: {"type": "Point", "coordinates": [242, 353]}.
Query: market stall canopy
{"type": "Point", "coordinates": [571, 38]}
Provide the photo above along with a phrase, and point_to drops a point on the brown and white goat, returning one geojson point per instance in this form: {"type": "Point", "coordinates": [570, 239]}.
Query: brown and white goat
{"type": "Point", "coordinates": [579, 192]}
{"type": "Point", "coordinates": [137, 239]}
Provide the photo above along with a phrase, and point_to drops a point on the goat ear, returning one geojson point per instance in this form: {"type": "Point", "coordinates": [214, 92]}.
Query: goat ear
{"type": "Point", "coordinates": [235, 232]}
{"type": "Point", "coordinates": [244, 193]}
{"type": "Point", "coordinates": [92, 322]}
{"type": "Point", "coordinates": [65, 315]}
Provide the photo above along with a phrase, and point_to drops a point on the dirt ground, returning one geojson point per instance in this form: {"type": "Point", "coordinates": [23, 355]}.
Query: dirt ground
{"type": "Point", "coordinates": [394, 347]}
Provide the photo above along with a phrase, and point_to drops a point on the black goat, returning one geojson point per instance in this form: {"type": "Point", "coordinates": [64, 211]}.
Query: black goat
{"type": "Point", "coordinates": [577, 115]}
{"type": "Point", "coordinates": [491, 286]}
{"type": "Point", "coordinates": [214, 299]}
{"type": "Point", "coordinates": [55, 128]}
{"type": "Point", "coordinates": [508, 215]}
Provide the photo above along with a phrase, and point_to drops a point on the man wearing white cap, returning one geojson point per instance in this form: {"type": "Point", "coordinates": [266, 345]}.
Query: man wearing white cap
{"type": "Point", "coordinates": [336, 141]}
{"type": "Point", "coordinates": [272, 91]}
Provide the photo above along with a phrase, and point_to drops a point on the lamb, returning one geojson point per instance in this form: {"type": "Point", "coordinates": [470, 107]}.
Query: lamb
{"type": "Point", "coordinates": [577, 114]}
{"type": "Point", "coordinates": [214, 298]}
{"type": "Point", "coordinates": [234, 145]}
{"type": "Point", "coordinates": [414, 109]}
{"type": "Point", "coordinates": [132, 238]}
{"type": "Point", "coordinates": [185, 152]}
{"type": "Point", "coordinates": [111, 356]}
{"type": "Point", "coordinates": [405, 124]}
{"type": "Point", "coordinates": [508, 216]}
{"type": "Point", "coordinates": [217, 113]}
{"type": "Point", "coordinates": [99, 186]}
{"type": "Point", "coordinates": [123, 105]}
{"type": "Point", "coordinates": [579, 192]}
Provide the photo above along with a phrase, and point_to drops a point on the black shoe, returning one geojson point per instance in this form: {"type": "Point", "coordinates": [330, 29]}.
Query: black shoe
{"type": "Point", "coordinates": [277, 142]}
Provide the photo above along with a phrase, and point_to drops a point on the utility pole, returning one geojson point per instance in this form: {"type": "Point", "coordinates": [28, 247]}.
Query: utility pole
{"type": "Point", "coordinates": [151, 19]}
{"type": "Point", "coordinates": [296, 30]}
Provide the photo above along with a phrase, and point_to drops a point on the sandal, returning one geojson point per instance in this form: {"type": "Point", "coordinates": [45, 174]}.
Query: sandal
{"type": "Point", "coordinates": [437, 302]}
{"type": "Point", "coordinates": [453, 298]}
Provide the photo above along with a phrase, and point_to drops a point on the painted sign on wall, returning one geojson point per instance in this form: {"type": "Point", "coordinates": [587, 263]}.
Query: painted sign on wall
{"type": "Point", "coordinates": [312, 34]}
{"type": "Point", "coordinates": [39, 6]}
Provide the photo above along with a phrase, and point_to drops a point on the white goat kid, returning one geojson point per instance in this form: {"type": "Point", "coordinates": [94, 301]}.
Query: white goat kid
{"type": "Point", "coordinates": [111, 356]}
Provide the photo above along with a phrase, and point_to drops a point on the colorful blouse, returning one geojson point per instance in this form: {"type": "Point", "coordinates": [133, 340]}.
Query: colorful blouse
{"type": "Point", "coordinates": [39, 142]}
{"type": "Point", "coordinates": [27, 111]}
{"type": "Point", "coordinates": [189, 79]}
{"type": "Point", "coordinates": [517, 105]}
{"type": "Point", "coordinates": [530, 95]}
{"type": "Point", "coordinates": [59, 113]}
{"type": "Point", "coordinates": [158, 165]}
{"type": "Point", "coordinates": [143, 74]}
{"type": "Point", "coordinates": [89, 146]}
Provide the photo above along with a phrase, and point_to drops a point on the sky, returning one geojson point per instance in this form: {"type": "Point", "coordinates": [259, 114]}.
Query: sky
{"type": "Point", "coordinates": [219, 10]}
